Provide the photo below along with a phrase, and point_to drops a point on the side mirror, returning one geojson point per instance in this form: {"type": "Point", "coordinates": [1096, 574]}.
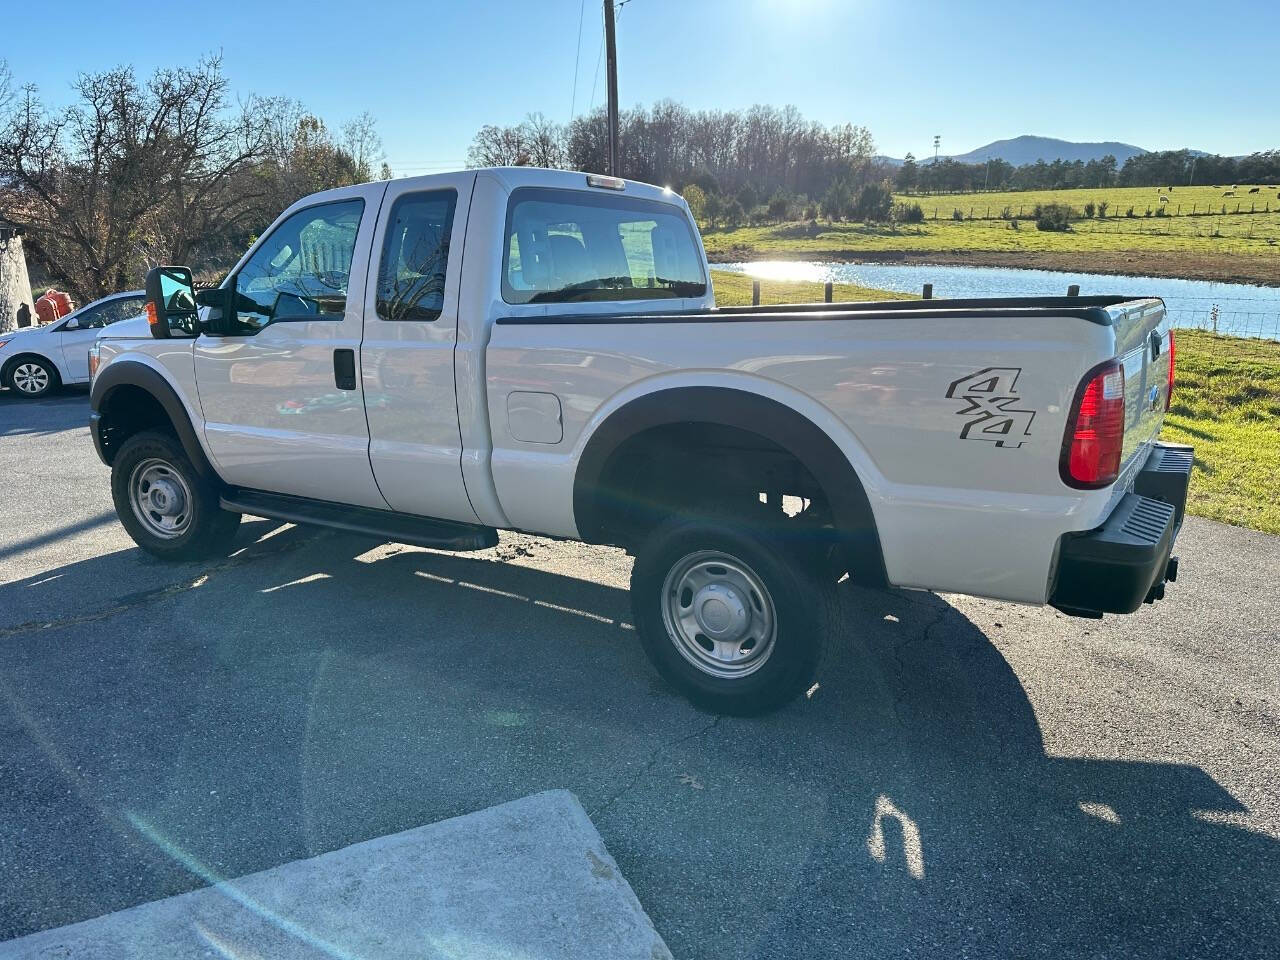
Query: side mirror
{"type": "Point", "coordinates": [171, 303]}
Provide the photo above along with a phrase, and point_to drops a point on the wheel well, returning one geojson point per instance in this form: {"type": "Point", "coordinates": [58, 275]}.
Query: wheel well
{"type": "Point", "coordinates": [725, 451]}
{"type": "Point", "coordinates": [701, 468]}
{"type": "Point", "coordinates": [15, 360]}
{"type": "Point", "coordinates": [127, 410]}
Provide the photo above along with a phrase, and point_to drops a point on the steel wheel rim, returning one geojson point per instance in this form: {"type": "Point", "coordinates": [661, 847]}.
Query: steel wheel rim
{"type": "Point", "coordinates": [160, 498]}
{"type": "Point", "coordinates": [719, 614]}
{"type": "Point", "coordinates": [31, 378]}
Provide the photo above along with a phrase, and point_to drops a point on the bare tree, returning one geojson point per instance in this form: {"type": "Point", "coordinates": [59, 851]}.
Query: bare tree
{"type": "Point", "coordinates": [361, 142]}
{"type": "Point", "coordinates": [128, 174]}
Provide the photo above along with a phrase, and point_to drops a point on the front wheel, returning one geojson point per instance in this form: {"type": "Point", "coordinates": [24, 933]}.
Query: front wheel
{"type": "Point", "coordinates": [731, 618]}
{"type": "Point", "coordinates": [33, 377]}
{"type": "Point", "coordinates": [164, 504]}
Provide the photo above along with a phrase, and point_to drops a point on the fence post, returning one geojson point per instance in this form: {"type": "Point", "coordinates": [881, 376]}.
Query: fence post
{"type": "Point", "coordinates": [826, 292]}
{"type": "Point", "coordinates": [755, 293]}
{"type": "Point", "coordinates": [1073, 290]}
{"type": "Point", "coordinates": [928, 291]}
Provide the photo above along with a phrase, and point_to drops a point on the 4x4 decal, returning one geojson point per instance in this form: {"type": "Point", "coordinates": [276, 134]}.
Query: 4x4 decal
{"type": "Point", "coordinates": [991, 407]}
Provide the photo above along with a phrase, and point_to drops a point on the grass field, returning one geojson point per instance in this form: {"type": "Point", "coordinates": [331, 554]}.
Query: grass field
{"type": "Point", "coordinates": [1182, 201]}
{"type": "Point", "coordinates": [1226, 403]}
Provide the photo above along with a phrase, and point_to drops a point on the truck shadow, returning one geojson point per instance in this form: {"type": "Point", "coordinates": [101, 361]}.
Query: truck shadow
{"type": "Point", "coordinates": [318, 692]}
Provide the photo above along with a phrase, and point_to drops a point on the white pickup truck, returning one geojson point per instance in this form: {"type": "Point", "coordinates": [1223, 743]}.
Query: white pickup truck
{"type": "Point", "coordinates": [431, 360]}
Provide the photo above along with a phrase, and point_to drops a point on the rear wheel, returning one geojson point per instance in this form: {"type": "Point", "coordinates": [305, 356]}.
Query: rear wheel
{"type": "Point", "coordinates": [732, 618]}
{"type": "Point", "coordinates": [33, 377]}
{"type": "Point", "coordinates": [165, 505]}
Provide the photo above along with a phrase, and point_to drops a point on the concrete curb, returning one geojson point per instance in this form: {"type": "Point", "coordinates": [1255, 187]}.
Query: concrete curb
{"type": "Point", "coordinates": [525, 880]}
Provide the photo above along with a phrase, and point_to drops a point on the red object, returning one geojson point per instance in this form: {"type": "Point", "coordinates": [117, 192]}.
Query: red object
{"type": "Point", "coordinates": [1168, 397]}
{"type": "Point", "coordinates": [1094, 442]}
{"type": "Point", "coordinates": [53, 305]}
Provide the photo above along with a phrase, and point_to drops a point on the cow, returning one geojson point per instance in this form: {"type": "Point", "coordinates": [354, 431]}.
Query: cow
{"type": "Point", "coordinates": [1228, 193]}
{"type": "Point", "coordinates": [1164, 199]}
{"type": "Point", "coordinates": [1254, 189]}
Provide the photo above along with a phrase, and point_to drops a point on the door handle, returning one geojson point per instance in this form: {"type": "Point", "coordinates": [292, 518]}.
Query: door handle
{"type": "Point", "coordinates": [344, 369]}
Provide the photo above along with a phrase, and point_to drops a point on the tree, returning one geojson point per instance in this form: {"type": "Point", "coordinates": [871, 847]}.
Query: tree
{"type": "Point", "coordinates": [838, 200]}
{"type": "Point", "coordinates": [129, 173]}
{"type": "Point", "coordinates": [697, 201]}
{"type": "Point", "coordinates": [362, 144]}
{"type": "Point", "coordinates": [908, 175]}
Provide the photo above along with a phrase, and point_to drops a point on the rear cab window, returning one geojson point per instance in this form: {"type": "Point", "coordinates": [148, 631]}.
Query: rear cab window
{"type": "Point", "coordinates": [572, 246]}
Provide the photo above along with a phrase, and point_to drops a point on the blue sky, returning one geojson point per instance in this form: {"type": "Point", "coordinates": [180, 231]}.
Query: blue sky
{"type": "Point", "coordinates": [1156, 74]}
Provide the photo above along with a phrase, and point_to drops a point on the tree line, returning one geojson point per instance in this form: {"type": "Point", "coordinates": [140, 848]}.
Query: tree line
{"type": "Point", "coordinates": [745, 164]}
{"type": "Point", "coordinates": [168, 170]}
{"type": "Point", "coordinates": [1160, 168]}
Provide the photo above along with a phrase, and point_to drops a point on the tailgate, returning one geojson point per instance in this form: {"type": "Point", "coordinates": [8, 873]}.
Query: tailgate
{"type": "Point", "coordinates": [1143, 343]}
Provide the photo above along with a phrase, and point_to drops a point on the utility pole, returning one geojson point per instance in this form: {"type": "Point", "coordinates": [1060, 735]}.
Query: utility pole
{"type": "Point", "coordinates": [611, 61]}
{"type": "Point", "coordinates": [937, 142]}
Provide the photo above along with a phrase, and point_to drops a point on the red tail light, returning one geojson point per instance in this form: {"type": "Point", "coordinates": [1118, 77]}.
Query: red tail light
{"type": "Point", "coordinates": [1168, 397]}
{"type": "Point", "coordinates": [1092, 447]}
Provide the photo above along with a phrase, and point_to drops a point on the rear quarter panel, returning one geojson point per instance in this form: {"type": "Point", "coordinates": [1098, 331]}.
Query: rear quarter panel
{"type": "Point", "coordinates": [967, 510]}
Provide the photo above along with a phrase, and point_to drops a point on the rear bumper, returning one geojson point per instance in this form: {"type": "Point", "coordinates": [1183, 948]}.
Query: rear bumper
{"type": "Point", "coordinates": [1127, 560]}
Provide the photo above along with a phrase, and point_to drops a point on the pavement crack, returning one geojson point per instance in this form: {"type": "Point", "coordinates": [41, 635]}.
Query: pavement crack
{"type": "Point", "coordinates": [142, 598]}
{"type": "Point", "coordinates": [659, 754]}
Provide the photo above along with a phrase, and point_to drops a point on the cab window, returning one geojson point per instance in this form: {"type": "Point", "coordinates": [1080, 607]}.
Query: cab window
{"type": "Point", "coordinates": [301, 271]}
{"type": "Point", "coordinates": [567, 246]}
{"type": "Point", "coordinates": [415, 256]}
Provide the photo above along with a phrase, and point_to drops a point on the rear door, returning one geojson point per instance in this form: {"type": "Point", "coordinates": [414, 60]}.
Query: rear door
{"type": "Point", "coordinates": [280, 389]}
{"type": "Point", "coordinates": [410, 330]}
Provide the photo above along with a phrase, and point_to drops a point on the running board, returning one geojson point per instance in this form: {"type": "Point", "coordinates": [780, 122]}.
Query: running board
{"type": "Point", "coordinates": [383, 524]}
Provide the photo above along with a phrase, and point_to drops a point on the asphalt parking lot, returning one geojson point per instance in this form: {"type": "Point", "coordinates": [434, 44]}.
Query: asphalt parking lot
{"type": "Point", "coordinates": [1043, 786]}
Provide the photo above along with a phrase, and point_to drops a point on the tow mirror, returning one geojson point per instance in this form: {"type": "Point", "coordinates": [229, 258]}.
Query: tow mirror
{"type": "Point", "coordinates": [171, 303]}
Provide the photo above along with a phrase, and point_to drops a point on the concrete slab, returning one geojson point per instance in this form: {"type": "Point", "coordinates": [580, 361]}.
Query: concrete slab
{"type": "Point", "coordinates": [525, 880]}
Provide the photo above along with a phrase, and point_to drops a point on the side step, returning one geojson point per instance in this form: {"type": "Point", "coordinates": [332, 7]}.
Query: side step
{"type": "Point", "coordinates": [383, 524]}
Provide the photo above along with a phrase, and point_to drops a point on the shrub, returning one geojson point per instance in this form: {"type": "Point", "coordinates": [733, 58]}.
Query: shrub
{"type": "Point", "coordinates": [908, 213]}
{"type": "Point", "coordinates": [811, 212]}
{"type": "Point", "coordinates": [1006, 213]}
{"type": "Point", "coordinates": [778, 206]}
{"type": "Point", "coordinates": [1088, 210]}
{"type": "Point", "coordinates": [733, 213]}
{"type": "Point", "coordinates": [874, 203]}
{"type": "Point", "coordinates": [1148, 213]}
{"type": "Point", "coordinates": [1129, 212]}
{"type": "Point", "coordinates": [1102, 209]}
{"type": "Point", "coordinates": [1054, 216]}
{"type": "Point", "coordinates": [957, 214]}
{"type": "Point", "coordinates": [1160, 210]}
{"type": "Point", "coordinates": [1013, 224]}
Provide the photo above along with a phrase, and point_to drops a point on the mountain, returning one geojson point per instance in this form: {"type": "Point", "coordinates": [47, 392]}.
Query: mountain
{"type": "Point", "coordinates": [1028, 149]}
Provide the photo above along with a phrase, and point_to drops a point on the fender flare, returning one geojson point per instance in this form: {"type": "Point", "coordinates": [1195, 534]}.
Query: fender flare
{"type": "Point", "coordinates": [771, 419]}
{"type": "Point", "coordinates": [131, 373]}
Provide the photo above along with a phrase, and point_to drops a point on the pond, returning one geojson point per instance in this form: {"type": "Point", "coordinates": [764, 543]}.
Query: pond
{"type": "Point", "coordinates": [1239, 309]}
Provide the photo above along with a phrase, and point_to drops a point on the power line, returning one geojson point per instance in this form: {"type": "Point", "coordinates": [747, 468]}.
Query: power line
{"type": "Point", "coordinates": [595, 77]}
{"type": "Point", "coordinates": [577, 55]}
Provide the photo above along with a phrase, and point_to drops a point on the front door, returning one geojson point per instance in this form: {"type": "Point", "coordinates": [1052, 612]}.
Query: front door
{"type": "Point", "coordinates": [410, 329]}
{"type": "Point", "coordinates": [280, 385]}
{"type": "Point", "coordinates": [86, 325]}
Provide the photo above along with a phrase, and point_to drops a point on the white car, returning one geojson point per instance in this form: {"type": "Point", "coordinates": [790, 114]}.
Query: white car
{"type": "Point", "coordinates": [36, 361]}
{"type": "Point", "coordinates": [432, 360]}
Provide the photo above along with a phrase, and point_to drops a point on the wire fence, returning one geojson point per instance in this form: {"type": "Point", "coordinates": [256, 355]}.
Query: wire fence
{"type": "Point", "coordinates": [1114, 211]}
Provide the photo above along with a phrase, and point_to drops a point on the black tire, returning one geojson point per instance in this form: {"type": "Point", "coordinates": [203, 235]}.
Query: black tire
{"type": "Point", "coordinates": [795, 597]}
{"type": "Point", "coordinates": [18, 377]}
{"type": "Point", "coordinates": [207, 529]}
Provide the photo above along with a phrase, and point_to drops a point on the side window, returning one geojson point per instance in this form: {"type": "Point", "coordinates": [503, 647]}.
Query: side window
{"type": "Point", "coordinates": [415, 255]}
{"type": "Point", "coordinates": [95, 317]}
{"type": "Point", "coordinates": [121, 309]}
{"type": "Point", "coordinates": [564, 246]}
{"type": "Point", "coordinates": [301, 271]}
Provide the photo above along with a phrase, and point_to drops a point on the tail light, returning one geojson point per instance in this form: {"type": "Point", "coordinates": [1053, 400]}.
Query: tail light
{"type": "Point", "coordinates": [1168, 396]}
{"type": "Point", "coordinates": [1093, 445]}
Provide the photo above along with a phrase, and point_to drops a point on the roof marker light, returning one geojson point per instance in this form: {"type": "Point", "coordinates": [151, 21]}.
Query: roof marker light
{"type": "Point", "coordinates": [607, 183]}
